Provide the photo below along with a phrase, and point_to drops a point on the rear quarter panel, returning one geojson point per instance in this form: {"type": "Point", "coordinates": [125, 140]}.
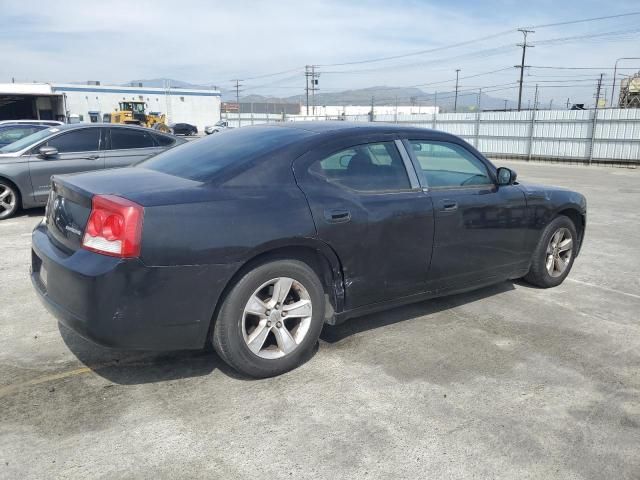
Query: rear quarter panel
{"type": "Point", "coordinates": [225, 225]}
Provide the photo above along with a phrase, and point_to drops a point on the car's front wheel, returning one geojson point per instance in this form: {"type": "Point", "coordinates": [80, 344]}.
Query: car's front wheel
{"type": "Point", "coordinates": [271, 319]}
{"type": "Point", "coordinates": [8, 200]}
{"type": "Point", "coordinates": [554, 255]}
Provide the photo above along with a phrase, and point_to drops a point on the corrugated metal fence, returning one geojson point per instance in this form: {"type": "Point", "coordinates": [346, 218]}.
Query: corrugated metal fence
{"type": "Point", "coordinates": [601, 136]}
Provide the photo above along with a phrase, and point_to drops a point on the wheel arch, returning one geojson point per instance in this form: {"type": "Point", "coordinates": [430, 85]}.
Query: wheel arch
{"type": "Point", "coordinates": [579, 221]}
{"type": "Point", "coordinates": [316, 254]}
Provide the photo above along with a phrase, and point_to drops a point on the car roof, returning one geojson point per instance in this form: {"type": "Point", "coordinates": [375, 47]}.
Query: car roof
{"type": "Point", "coordinates": [75, 126]}
{"type": "Point", "coordinates": [345, 128]}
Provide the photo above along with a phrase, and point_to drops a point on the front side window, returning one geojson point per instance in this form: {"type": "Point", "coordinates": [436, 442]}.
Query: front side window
{"type": "Point", "coordinates": [449, 165]}
{"type": "Point", "coordinates": [124, 138]}
{"type": "Point", "coordinates": [85, 140]}
{"type": "Point", "coordinates": [368, 167]}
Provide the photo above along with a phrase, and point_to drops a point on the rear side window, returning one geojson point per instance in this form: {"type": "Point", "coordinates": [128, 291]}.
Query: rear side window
{"type": "Point", "coordinates": [369, 167]}
{"type": "Point", "coordinates": [202, 159]}
{"type": "Point", "coordinates": [85, 140]}
{"type": "Point", "coordinates": [449, 165]}
{"type": "Point", "coordinates": [163, 140]}
{"type": "Point", "coordinates": [125, 138]}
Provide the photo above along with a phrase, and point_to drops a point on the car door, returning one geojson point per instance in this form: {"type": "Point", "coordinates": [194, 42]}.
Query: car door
{"type": "Point", "coordinates": [479, 226]}
{"type": "Point", "coordinates": [129, 145]}
{"type": "Point", "coordinates": [79, 150]}
{"type": "Point", "coordinates": [367, 205]}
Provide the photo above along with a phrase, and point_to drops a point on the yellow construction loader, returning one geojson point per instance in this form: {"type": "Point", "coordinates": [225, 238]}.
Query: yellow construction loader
{"type": "Point", "coordinates": [133, 113]}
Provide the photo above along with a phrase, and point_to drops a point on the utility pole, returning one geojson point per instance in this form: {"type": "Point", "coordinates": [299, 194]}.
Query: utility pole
{"type": "Point", "coordinates": [598, 88]}
{"type": "Point", "coordinates": [568, 102]}
{"type": "Point", "coordinates": [522, 66]}
{"type": "Point", "coordinates": [310, 73]}
{"type": "Point", "coordinates": [551, 104]}
{"type": "Point", "coordinates": [505, 105]}
{"type": "Point", "coordinates": [535, 99]}
{"type": "Point", "coordinates": [455, 101]}
{"type": "Point", "coordinates": [238, 85]}
{"type": "Point", "coordinates": [307, 74]}
{"type": "Point", "coordinates": [314, 87]}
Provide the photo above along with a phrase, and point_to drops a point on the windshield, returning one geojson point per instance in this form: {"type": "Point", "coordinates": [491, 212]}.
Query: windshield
{"type": "Point", "coordinates": [201, 159]}
{"type": "Point", "coordinates": [28, 140]}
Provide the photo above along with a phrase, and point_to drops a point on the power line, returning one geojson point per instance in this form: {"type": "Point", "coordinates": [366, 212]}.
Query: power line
{"type": "Point", "coordinates": [571, 22]}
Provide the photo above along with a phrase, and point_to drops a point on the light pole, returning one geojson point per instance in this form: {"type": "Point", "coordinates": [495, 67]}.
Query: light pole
{"type": "Point", "coordinates": [615, 67]}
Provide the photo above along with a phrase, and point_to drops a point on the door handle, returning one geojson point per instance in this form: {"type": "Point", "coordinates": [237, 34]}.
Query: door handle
{"type": "Point", "coordinates": [93, 157]}
{"type": "Point", "coordinates": [337, 216]}
{"type": "Point", "coordinates": [448, 205]}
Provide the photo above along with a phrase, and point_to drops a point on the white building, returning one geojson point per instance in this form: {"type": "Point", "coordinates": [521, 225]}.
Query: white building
{"type": "Point", "coordinates": [89, 103]}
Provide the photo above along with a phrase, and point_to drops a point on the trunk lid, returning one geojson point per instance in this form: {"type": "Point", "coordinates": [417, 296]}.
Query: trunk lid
{"type": "Point", "coordinates": [69, 204]}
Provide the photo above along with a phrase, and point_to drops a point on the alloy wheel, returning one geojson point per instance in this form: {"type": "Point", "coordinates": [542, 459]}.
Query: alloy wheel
{"type": "Point", "coordinates": [277, 317]}
{"type": "Point", "coordinates": [7, 201]}
{"type": "Point", "coordinates": [559, 251]}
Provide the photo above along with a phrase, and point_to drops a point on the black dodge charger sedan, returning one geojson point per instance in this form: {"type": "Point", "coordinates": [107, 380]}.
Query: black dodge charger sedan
{"type": "Point", "coordinates": [254, 239]}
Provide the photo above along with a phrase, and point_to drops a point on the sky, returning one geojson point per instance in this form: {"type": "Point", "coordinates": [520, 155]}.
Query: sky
{"type": "Point", "coordinates": [213, 42]}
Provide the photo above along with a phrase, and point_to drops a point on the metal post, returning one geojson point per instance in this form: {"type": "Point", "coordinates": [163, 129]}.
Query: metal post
{"type": "Point", "coordinates": [478, 118]}
{"type": "Point", "coordinates": [533, 124]}
{"type": "Point", "coordinates": [594, 123]}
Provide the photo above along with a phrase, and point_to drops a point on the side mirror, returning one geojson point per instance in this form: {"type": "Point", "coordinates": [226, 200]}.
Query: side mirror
{"type": "Point", "coordinates": [48, 152]}
{"type": "Point", "coordinates": [506, 176]}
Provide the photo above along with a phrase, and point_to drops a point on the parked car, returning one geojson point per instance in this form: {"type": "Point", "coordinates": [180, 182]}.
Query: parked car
{"type": "Point", "coordinates": [184, 129]}
{"type": "Point", "coordinates": [26, 165]}
{"type": "Point", "coordinates": [218, 127]}
{"type": "Point", "coordinates": [11, 132]}
{"type": "Point", "coordinates": [49, 123]}
{"type": "Point", "coordinates": [254, 239]}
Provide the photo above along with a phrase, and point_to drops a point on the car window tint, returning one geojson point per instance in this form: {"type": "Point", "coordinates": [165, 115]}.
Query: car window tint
{"type": "Point", "coordinates": [85, 140]}
{"type": "Point", "coordinates": [449, 165]}
{"type": "Point", "coordinates": [123, 138]}
{"type": "Point", "coordinates": [202, 159]}
{"type": "Point", "coordinates": [163, 140]}
{"type": "Point", "coordinates": [369, 167]}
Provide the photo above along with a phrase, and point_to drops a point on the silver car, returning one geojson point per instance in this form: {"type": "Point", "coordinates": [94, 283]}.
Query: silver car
{"type": "Point", "coordinates": [26, 166]}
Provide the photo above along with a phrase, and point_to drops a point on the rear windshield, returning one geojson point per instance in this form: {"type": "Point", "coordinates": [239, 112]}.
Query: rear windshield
{"type": "Point", "coordinates": [200, 159]}
{"type": "Point", "coordinates": [28, 140]}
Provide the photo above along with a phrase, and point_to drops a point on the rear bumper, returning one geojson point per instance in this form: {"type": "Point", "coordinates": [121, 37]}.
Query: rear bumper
{"type": "Point", "coordinates": [124, 303]}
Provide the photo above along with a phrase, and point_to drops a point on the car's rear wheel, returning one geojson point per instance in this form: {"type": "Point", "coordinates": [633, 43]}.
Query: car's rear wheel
{"type": "Point", "coordinates": [554, 255]}
{"type": "Point", "coordinates": [8, 200]}
{"type": "Point", "coordinates": [271, 319]}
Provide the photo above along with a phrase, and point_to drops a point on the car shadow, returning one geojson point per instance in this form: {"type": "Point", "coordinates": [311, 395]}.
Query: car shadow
{"type": "Point", "coordinates": [334, 334]}
{"type": "Point", "coordinates": [126, 367]}
{"type": "Point", "coordinates": [30, 213]}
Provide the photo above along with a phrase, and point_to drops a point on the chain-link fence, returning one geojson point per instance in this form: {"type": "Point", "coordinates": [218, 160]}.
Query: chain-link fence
{"type": "Point", "coordinates": [606, 136]}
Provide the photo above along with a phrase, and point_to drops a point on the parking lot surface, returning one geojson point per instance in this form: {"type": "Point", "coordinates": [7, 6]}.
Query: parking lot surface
{"type": "Point", "coordinates": [506, 382]}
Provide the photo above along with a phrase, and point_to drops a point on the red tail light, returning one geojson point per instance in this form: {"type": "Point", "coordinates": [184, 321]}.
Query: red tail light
{"type": "Point", "coordinates": [114, 227]}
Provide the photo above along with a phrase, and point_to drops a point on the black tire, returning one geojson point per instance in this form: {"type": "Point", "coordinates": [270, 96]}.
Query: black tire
{"type": "Point", "coordinates": [11, 197]}
{"type": "Point", "coordinates": [538, 274]}
{"type": "Point", "coordinates": [228, 339]}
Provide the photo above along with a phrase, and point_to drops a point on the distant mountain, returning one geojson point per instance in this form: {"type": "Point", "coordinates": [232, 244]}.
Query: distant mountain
{"type": "Point", "coordinates": [164, 82]}
{"type": "Point", "coordinates": [381, 95]}
{"type": "Point", "coordinates": [387, 96]}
